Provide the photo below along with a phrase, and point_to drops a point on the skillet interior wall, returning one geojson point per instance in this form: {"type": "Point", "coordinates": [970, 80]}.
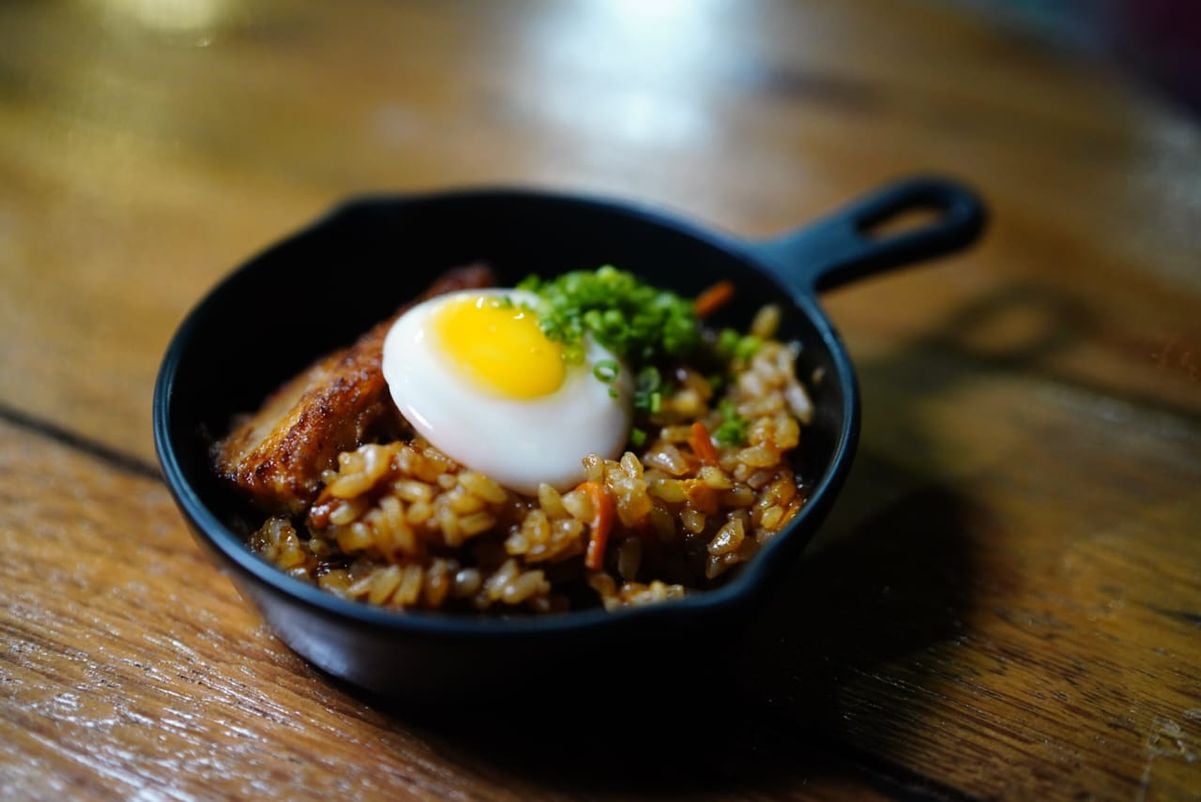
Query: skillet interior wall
{"type": "Point", "coordinates": [319, 290]}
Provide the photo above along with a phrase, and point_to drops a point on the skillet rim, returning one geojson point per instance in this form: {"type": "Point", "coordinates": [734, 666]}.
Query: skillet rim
{"type": "Point", "coordinates": [752, 579]}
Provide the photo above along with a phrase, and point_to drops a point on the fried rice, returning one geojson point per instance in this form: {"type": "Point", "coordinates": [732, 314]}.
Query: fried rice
{"type": "Point", "coordinates": [399, 524]}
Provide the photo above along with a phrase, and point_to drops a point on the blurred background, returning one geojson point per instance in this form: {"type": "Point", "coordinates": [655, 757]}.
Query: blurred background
{"type": "Point", "coordinates": [147, 146]}
{"type": "Point", "coordinates": [1158, 41]}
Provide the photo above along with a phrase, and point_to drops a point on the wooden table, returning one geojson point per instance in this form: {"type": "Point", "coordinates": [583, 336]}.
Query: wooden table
{"type": "Point", "coordinates": [1006, 602]}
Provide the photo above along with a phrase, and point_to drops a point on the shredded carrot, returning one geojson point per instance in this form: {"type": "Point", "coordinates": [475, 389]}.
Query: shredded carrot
{"type": "Point", "coordinates": [713, 298]}
{"type": "Point", "coordinates": [602, 524]}
{"type": "Point", "coordinates": [702, 446]}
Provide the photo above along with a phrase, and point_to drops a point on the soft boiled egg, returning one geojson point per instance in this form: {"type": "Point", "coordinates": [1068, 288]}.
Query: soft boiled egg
{"type": "Point", "coordinates": [474, 374]}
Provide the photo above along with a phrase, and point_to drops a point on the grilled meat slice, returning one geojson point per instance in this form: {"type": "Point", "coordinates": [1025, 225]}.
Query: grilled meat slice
{"type": "Point", "coordinates": [277, 454]}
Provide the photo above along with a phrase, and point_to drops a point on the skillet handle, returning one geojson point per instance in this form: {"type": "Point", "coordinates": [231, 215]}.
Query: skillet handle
{"type": "Point", "coordinates": [840, 247]}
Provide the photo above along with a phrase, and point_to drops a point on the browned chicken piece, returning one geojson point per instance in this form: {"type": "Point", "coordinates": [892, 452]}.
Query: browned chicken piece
{"type": "Point", "coordinates": [277, 454]}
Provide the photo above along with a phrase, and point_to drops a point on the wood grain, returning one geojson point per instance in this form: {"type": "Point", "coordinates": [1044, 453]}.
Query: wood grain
{"type": "Point", "coordinates": [1006, 602]}
{"type": "Point", "coordinates": [130, 666]}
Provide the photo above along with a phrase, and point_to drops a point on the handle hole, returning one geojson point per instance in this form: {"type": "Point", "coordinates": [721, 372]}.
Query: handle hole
{"type": "Point", "coordinates": [894, 223]}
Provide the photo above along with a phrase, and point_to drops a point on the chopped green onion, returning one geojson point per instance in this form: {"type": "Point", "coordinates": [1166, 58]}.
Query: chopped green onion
{"type": "Point", "coordinates": [747, 347]}
{"type": "Point", "coordinates": [727, 342]}
{"type": "Point", "coordinates": [637, 322]}
{"type": "Point", "coordinates": [648, 384]}
{"type": "Point", "coordinates": [732, 431]}
{"type": "Point", "coordinates": [574, 353]}
{"type": "Point", "coordinates": [649, 379]}
{"type": "Point", "coordinates": [637, 437]}
{"type": "Point", "coordinates": [606, 370]}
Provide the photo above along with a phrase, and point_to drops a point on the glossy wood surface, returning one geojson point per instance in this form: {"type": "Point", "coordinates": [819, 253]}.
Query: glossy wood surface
{"type": "Point", "coordinates": [1006, 602]}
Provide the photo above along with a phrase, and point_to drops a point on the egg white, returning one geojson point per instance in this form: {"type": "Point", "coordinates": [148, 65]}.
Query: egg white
{"type": "Point", "coordinates": [518, 442]}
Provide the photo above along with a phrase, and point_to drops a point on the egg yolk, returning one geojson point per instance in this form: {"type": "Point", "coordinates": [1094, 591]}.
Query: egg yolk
{"type": "Point", "coordinates": [501, 347]}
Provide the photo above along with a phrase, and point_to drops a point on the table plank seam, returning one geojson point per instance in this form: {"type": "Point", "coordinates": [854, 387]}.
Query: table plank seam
{"type": "Point", "coordinates": [113, 457]}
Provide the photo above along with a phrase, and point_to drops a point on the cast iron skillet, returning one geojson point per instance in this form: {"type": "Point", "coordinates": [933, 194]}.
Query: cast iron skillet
{"type": "Point", "coordinates": [326, 284]}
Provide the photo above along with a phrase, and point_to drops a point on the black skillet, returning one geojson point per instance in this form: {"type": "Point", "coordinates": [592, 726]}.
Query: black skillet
{"type": "Point", "coordinates": [321, 287]}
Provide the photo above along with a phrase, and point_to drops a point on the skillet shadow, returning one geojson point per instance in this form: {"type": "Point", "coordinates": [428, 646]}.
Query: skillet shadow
{"type": "Point", "coordinates": [892, 575]}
